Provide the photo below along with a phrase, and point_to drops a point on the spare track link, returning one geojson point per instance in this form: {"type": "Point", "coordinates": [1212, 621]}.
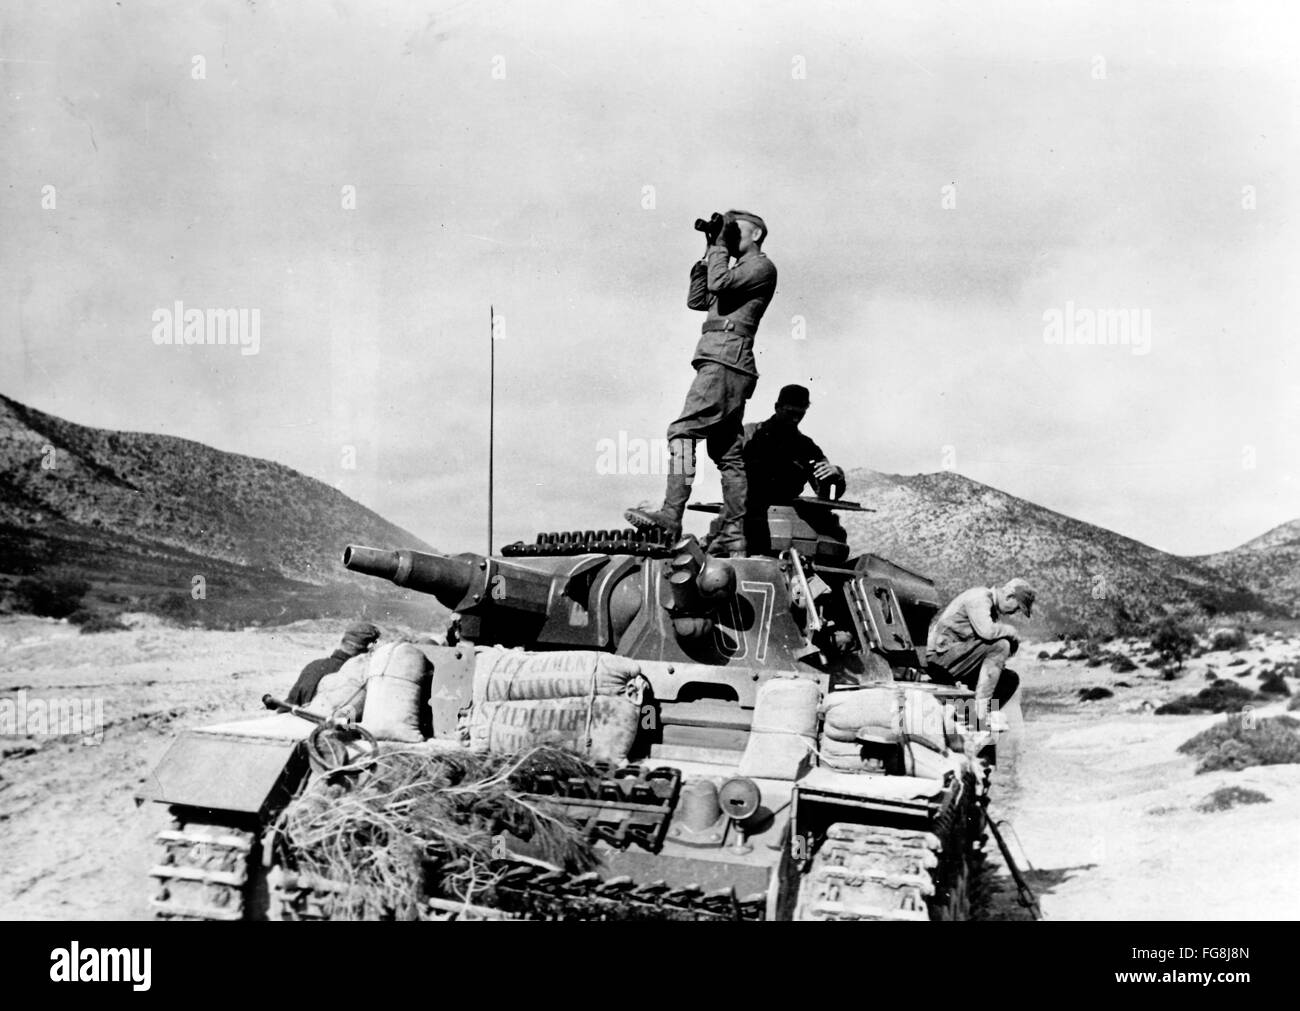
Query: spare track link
{"type": "Point", "coordinates": [202, 872]}
{"type": "Point", "coordinates": [617, 806]}
{"type": "Point", "coordinates": [875, 872]}
{"type": "Point", "coordinates": [528, 891]}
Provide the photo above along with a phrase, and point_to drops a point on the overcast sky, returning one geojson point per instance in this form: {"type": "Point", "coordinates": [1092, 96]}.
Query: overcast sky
{"type": "Point", "coordinates": [550, 158]}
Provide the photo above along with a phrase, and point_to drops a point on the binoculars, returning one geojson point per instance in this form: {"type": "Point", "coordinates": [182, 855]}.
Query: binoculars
{"type": "Point", "coordinates": [711, 227]}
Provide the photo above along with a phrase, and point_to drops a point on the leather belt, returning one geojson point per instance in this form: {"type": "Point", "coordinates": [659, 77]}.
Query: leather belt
{"type": "Point", "coordinates": [725, 325]}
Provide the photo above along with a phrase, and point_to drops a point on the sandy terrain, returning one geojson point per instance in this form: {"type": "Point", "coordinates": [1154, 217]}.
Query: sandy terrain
{"type": "Point", "coordinates": [1102, 803]}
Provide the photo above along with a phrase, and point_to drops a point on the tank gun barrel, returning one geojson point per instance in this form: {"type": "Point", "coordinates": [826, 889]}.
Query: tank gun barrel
{"type": "Point", "coordinates": [448, 578]}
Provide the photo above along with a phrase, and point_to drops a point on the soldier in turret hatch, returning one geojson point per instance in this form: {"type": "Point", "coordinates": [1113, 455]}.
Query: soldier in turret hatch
{"type": "Point", "coordinates": [734, 296]}
{"type": "Point", "coordinates": [780, 461]}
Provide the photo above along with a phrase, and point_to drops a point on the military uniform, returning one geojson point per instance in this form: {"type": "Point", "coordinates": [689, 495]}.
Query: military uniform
{"type": "Point", "coordinates": [778, 461]}
{"type": "Point", "coordinates": [969, 645]}
{"type": "Point", "coordinates": [357, 638]}
{"type": "Point", "coordinates": [734, 297]}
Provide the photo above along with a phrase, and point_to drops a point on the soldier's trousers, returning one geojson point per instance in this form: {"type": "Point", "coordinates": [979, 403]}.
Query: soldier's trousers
{"type": "Point", "coordinates": [715, 412]}
{"type": "Point", "coordinates": [963, 663]}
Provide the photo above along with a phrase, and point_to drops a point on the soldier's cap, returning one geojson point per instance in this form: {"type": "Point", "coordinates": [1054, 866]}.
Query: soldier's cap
{"type": "Point", "coordinates": [359, 635]}
{"type": "Point", "coordinates": [752, 218]}
{"type": "Point", "coordinates": [794, 395]}
{"type": "Point", "coordinates": [1023, 592]}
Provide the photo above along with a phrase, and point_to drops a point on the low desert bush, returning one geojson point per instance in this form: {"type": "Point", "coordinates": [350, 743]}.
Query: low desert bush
{"type": "Point", "coordinates": [1227, 797]}
{"type": "Point", "coordinates": [1228, 638]}
{"type": "Point", "coordinates": [102, 623]}
{"type": "Point", "coordinates": [1217, 697]}
{"type": "Point", "coordinates": [49, 597]}
{"type": "Point", "coordinates": [1239, 743]}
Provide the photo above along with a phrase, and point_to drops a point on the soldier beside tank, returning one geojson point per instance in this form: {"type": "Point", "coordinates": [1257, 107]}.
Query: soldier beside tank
{"type": "Point", "coordinates": [969, 644]}
{"type": "Point", "coordinates": [358, 638]}
{"type": "Point", "coordinates": [734, 296]}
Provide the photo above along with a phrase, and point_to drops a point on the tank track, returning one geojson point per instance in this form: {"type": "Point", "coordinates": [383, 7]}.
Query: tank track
{"type": "Point", "coordinates": [203, 872]}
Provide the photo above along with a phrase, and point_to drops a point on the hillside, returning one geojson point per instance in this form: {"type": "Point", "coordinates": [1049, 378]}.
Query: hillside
{"type": "Point", "coordinates": [963, 533]}
{"type": "Point", "coordinates": [141, 515]}
{"type": "Point", "coordinates": [1269, 564]}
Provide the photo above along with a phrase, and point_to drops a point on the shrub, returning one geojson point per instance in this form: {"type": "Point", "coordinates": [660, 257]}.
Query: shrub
{"type": "Point", "coordinates": [49, 597]}
{"type": "Point", "coordinates": [176, 606]}
{"type": "Point", "coordinates": [102, 623]}
{"type": "Point", "coordinates": [1122, 665]}
{"type": "Point", "coordinates": [1273, 684]}
{"type": "Point", "coordinates": [1219, 697]}
{"type": "Point", "coordinates": [1294, 703]}
{"type": "Point", "coordinates": [1174, 637]}
{"type": "Point", "coordinates": [1228, 638]}
{"type": "Point", "coordinates": [1239, 743]}
{"type": "Point", "coordinates": [1227, 797]}
{"type": "Point", "coordinates": [1094, 694]}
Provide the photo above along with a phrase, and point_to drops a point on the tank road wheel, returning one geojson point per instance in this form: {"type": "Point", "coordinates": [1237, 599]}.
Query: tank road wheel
{"type": "Point", "coordinates": [207, 871]}
{"type": "Point", "coordinates": [872, 872]}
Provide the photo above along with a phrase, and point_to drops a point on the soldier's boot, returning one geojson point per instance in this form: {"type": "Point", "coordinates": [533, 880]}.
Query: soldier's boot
{"type": "Point", "coordinates": [729, 542]}
{"type": "Point", "coordinates": [681, 472]}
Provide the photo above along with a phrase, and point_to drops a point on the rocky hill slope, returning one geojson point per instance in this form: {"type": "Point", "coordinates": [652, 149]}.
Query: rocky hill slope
{"type": "Point", "coordinates": [139, 515]}
{"type": "Point", "coordinates": [962, 533]}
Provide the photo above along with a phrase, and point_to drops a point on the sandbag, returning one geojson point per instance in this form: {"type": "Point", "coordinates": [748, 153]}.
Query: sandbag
{"type": "Point", "coordinates": [583, 700]}
{"type": "Point", "coordinates": [784, 729]}
{"type": "Point", "coordinates": [502, 675]}
{"type": "Point", "coordinates": [841, 756]}
{"type": "Point", "coordinates": [345, 687]}
{"type": "Point", "coordinates": [598, 727]}
{"type": "Point", "coordinates": [884, 715]}
{"type": "Point", "coordinates": [926, 763]}
{"type": "Point", "coordinates": [397, 679]}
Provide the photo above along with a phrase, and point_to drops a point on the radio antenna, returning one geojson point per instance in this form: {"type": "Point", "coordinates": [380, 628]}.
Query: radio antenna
{"type": "Point", "coordinates": [492, 395]}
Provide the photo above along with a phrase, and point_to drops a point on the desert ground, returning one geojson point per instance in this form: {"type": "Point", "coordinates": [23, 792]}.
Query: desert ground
{"type": "Point", "coordinates": [1103, 806]}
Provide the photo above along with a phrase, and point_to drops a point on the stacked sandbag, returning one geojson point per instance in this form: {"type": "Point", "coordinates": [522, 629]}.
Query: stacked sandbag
{"type": "Point", "coordinates": [867, 714]}
{"type": "Point", "coordinates": [584, 700]}
{"type": "Point", "coordinates": [344, 689]}
{"type": "Point", "coordinates": [859, 723]}
{"type": "Point", "coordinates": [842, 756]}
{"type": "Point", "coordinates": [398, 678]}
{"type": "Point", "coordinates": [784, 729]}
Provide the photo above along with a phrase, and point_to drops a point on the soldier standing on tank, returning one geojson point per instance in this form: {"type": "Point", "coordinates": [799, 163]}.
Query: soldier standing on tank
{"type": "Point", "coordinates": [357, 639]}
{"type": "Point", "coordinates": [735, 296]}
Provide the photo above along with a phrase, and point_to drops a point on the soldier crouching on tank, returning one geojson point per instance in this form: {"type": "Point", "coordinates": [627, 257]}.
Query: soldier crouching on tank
{"type": "Point", "coordinates": [357, 639]}
{"type": "Point", "coordinates": [970, 644]}
{"type": "Point", "coordinates": [735, 296]}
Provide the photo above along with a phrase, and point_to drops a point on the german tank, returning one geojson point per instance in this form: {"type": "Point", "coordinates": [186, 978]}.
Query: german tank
{"type": "Point", "coordinates": [788, 760]}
